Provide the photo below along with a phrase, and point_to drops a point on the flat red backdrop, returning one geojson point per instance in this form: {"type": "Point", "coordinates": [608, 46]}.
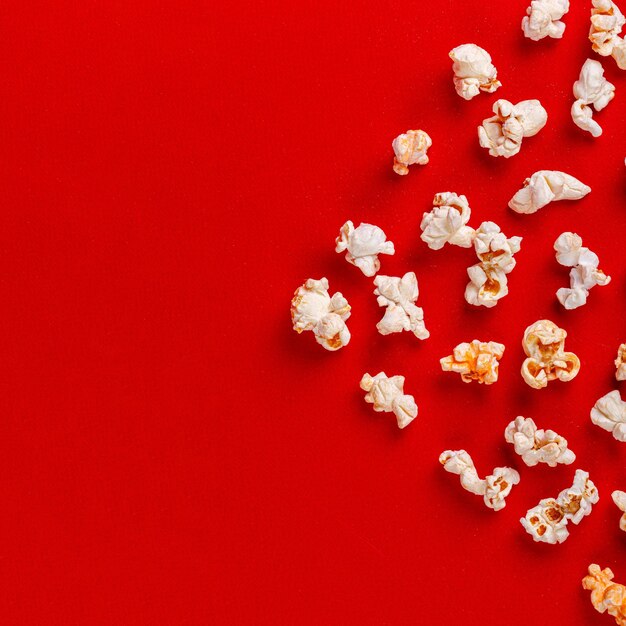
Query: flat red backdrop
{"type": "Point", "coordinates": [171, 451]}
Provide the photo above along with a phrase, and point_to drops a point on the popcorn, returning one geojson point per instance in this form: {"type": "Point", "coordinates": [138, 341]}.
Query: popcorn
{"type": "Point", "coordinates": [537, 446]}
{"type": "Point", "coordinates": [576, 502]}
{"type": "Point", "coordinates": [363, 245]}
{"type": "Point", "coordinates": [399, 296]}
{"type": "Point", "coordinates": [544, 187]}
{"type": "Point", "coordinates": [606, 595]}
{"type": "Point", "coordinates": [620, 363]}
{"type": "Point", "coordinates": [584, 273]}
{"type": "Point", "coordinates": [410, 148]}
{"type": "Point", "coordinates": [312, 308]}
{"type": "Point", "coordinates": [544, 345]}
{"type": "Point", "coordinates": [475, 361]}
{"type": "Point", "coordinates": [591, 89]}
{"type": "Point", "coordinates": [619, 497]}
{"type": "Point", "coordinates": [609, 413]}
{"type": "Point", "coordinates": [543, 19]}
{"type": "Point", "coordinates": [488, 282]}
{"type": "Point", "coordinates": [494, 488]}
{"type": "Point", "coordinates": [502, 134]}
{"type": "Point", "coordinates": [387, 394]}
{"type": "Point", "coordinates": [446, 223]}
{"type": "Point", "coordinates": [606, 24]}
{"type": "Point", "coordinates": [473, 71]}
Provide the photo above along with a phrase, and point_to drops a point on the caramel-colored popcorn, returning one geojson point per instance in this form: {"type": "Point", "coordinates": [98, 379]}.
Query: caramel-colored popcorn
{"type": "Point", "coordinates": [477, 360]}
{"type": "Point", "coordinates": [473, 71]}
{"type": "Point", "coordinates": [387, 394]}
{"type": "Point", "coordinates": [606, 596]}
{"type": "Point", "coordinates": [620, 363]}
{"type": "Point", "coordinates": [537, 445]}
{"type": "Point", "coordinates": [446, 223]}
{"type": "Point", "coordinates": [619, 497]}
{"type": "Point", "coordinates": [591, 90]}
{"type": "Point", "coordinates": [544, 19]}
{"type": "Point", "coordinates": [609, 413]}
{"type": "Point", "coordinates": [547, 186]}
{"type": "Point", "coordinates": [410, 148]}
{"type": "Point", "coordinates": [363, 245]}
{"type": "Point", "coordinates": [607, 22]}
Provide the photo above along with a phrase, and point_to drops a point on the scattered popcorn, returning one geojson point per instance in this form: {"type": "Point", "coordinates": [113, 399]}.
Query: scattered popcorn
{"type": "Point", "coordinates": [502, 134]}
{"type": "Point", "coordinates": [446, 223]}
{"type": "Point", "coordinates": [363, 245]}
{"type": "Point", "coordinates": [475, 361]}
{"type": "Point", "coordinates": [488, 281]}
{"type": "Point", "coordinates": [537, 446]}
{"type": "Point", "coordinates": [543, 19]}
{"type": "Point", "coordinates": [606, 595]}
{"type": "Point", "coordinates": [473, 71]}
{"type": "Point", "coordinates": [544, 345]}
{"type": "Point", "coordinates": [609, 413]}
{"type": "Point", "coordinates": [410, 148]}
{"type": "Point", "coordinates": [591, 89]}
{"type": "Point", "coordinates": [494, 488]}
{"type": "Point", "coordinates": [546, 186]}
{"type": "Point", "coordinates": [620, 363]}
{"type": "Point", "coordinates": [399, 296]}
{"type": "Point", "coordinates": [619, 497]}
{"type": "Point", "coordinates": [606, 25]}
{"type": "Point", "coordinates": [312, 308]}
{"type": "Point", "coordinates": [387, 394]}
{"type": "Point", "coordinates": [584, 273]}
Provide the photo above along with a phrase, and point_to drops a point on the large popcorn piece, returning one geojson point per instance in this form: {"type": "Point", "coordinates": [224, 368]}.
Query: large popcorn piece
{"type": "Point", "coordinates": [620, 363]}
{"type": "Point", "coordinates": [609, 413]}
{"type": "Point", "coordinates": [312, 308]}
{"type": "Point", "coordinates": [606, 596]}
{"type": "Point", "coordinates": [544, 345]}
{"type": "Point", "coordinates": [473, 71]}
{"type": "Point", "coordinates": [584, 273]}
{"type": "Point", "coordinates": [387, 394]}
{"type": "Point", "coordinates": [410, 148]}
{"type": "Point", "coordinates": [546, 186]}
{"type": "Point", "coordinates": [619, 497]}
{"type": "Point", "coordinates": [447, 222]}
{"type": "Point", "coordinates": [475, 361]}
{"type": "Point", "coordinates": [591, 89]}
{"type": "Point", "coordinates": [543, 19]}
{"type": "Point", "coordinates": [537, 445]}
{"type": "Point", "coordinates": [502, 134]}
{"type": "Point", "coordinates": [363, 245]}
{"type": "Point", "coordinates": [606, 25]}
{"type": "Point", "coordinates": [488, 281]}
{"type": "Point", "coordinates": [399, 296]}
{"type": "Point", "coordinates": [494, 488]}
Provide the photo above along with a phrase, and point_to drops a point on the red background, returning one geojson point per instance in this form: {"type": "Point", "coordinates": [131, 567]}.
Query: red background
{"type": "Point", "coordinates": [172, 452]}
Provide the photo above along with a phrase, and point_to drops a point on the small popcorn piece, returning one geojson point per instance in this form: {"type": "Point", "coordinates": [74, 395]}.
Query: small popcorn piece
{"type": "Point", "coordinates": [606, 596]}
{"type": "Point", "coordinates": [577, 500]}
{"type": "Point", "coordinates": [475, 361]}
{"type": "Point", "coordinates": [313, 309]}
{"type": "Point", "coordinates": [607, 22]}
{"type": "Point", "coordinates": [473, 71]}
{"type": "Point", "coordinates": [399, 296]}
{"type": "Point", "coordinates": [387, 394]}
{"type": "Point", "coordinates": [410, 148]}
{"type": "Point", "coordinates": [446, 223]}
{"type": "Point", "coordinates": [620, 363]}
{"type": "Point", "coordinates": [619, 497]}
{"type": "Point", "coordinates": [537, 445]}
{"type": "Point", "coordinates": [363, 245]}
{"type": "Point", "coordinates": [502, 134]}
{"type": "Point", "coordinates": [546, 186]}
{"type": "Point", "coordinates": [543, 19]}
{"type": "Point", "coordinates": [609, 413]}
{"type": "Point", "coordinates": [591, 89]}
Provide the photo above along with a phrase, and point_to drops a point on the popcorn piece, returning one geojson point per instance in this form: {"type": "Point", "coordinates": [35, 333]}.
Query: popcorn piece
{"type": "Point", "coordinates": [543, 19]}
{"type": "Point", "coordinates": [576, 502]}
{"type": "Point", "coordinates": [606, 24]}
{"type": "Point", "coordinates": [494, 488]}
{"type": "Point", "coordinates": [619, 497]}
{"type": "Point", "coordinates": [475, 361]}
{"type": "Point", "coordinates": [620, 363]}
{"type": "Point", "coordinates": [537, 446]}
{"type": "Point", "coordinates": [488, 282]}
{"type": "Point", "coordinates": [584, 273]}
{"type": "Point", "coordinates": [544, 345]}
{"type": "Point", "coordinates": [473, 71]}
{"type": "Point", "coordinates": [544, 187]}
{"type": "Point", "coordinates": [502, 134]}
{"type": "Point", "coordinates": [312, 308]}
{"type": "Point", "coordinates": [399, 296]}
{"type": "Point", "coordinates": [446, 223]}
{"type": "Point", "coordinates": [363, 245]}
{"type": "Point", "coordinates": [606, 595]}
{"type": "Point", "coordinates": [410, 148]}
{"type": "Point", "coordinates": [609, 413]}
{"type": "Point", "coordinates": [387, 394]}
{"type": "Point", "coordinates": [591, 89]}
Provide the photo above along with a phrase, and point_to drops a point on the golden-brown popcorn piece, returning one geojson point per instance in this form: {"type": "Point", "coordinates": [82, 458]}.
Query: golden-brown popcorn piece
{"type": "Point", "coordinates": [410, 148]}
{"type": "Point", "coordinates": [620, 363]}
{"type": "Point", "coordinates": [606, 25]}
{"type": "Point", "coordinates": [619, 497]}
{"type": "Point", "coordinates": [477, 360]}
{"type": "Point", "coordinates": [473, 71]}
{"type": "Point", "coordinates": [606, 596]}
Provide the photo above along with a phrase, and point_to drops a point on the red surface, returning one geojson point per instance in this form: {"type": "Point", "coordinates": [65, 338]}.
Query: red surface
{"type": "Point", "coordinates": [172, 452]}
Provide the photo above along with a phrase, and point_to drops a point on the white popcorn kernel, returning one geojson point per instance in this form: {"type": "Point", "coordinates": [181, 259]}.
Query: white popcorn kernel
{"type": "Point", "coordinates": [399, 296]}
{"type": "Point", "coordinates": [543, 19]}
{"type": "Point", "coordinates": [584, 273]}
{"type": "Point", "coordinates": [363, 245]}
{"type": "Point", "coordinates": [447, 222]}
{"type": "Point", "coordinates": [576, 501]}
{"type": "Point", "coordinates": [502, 134]}
{"type": "Point", "coordinates": [313, 309]}
{"type": "Point", "coordinates": [619, 497]}
{"type": "Point", "coordinates": [475, 361]}
{"type": "Point", "coordinates": [537, 445]}
{"type": "Point", "coordinates": [410, 148]}
{"type": "Point", "coordinates": [606, 595]}
{"type": "Point", "coordinates": [609, 413]}
{"type": "Point", "coordinates": [387, 394]}
{"type": "Point", "coordinates": [607, 22]}
{"type": "Point", "coordinates": [620, 363]}
{"type": "Point", "coordinates": [591, 89]}
{"type": "Point", "coordinates": [547, 186]}
{"type": "Point", "coordinates": [473, 71]}
{"type": "Point", "coordinates": [544, 345]}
